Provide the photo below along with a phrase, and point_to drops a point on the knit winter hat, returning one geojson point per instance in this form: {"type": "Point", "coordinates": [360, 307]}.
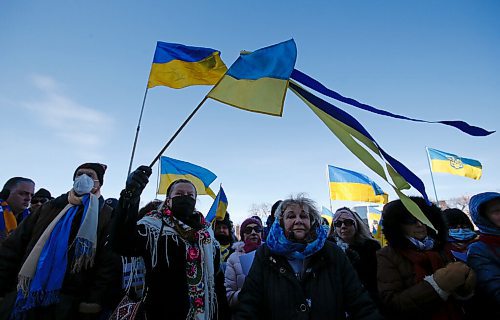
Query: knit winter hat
{"type": "Point", "coordinates": [245, 223]}
{"type": "Point", "coordinates": [42, 193]}
{"type": "Point", "coordinates": [346, 213]}
{"type": "Point", "coordinates": [98, 168]}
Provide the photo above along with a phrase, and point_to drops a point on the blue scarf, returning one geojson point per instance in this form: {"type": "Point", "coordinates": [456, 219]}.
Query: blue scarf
{"type": "Point", "coordinates": [426, 244]}
{"type": "Point", "coordinates": [51, 267]}
{"type": "Point", "coordinates": [279, 244]}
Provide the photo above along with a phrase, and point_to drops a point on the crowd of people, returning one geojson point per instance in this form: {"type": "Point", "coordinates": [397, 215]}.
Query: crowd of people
{"type": "Point", "coordinates": [79, 256]}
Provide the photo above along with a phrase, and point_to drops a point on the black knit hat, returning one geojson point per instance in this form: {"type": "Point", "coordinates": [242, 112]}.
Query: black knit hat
{"type": "Point", "coordinates": [98, 168]}
{"type": "Point", "coordinates": [455, 217]}
{"type": "Point", "coordinates": [42, 193]}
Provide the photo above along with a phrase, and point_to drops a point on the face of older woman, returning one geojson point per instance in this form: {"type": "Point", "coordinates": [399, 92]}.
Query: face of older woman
{"type": "Point", "coordinates": [252, 233]}
{"type": "Point", "coordinates": [296, 219]}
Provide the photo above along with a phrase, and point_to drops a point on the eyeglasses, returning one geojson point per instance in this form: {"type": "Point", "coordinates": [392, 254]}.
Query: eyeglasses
{"type": "Point", "coordinates": [249, 230]}
{"type": "Point", "coordinates": [346, 222]}
{"type": "Point", "coordinates": [39, 200]}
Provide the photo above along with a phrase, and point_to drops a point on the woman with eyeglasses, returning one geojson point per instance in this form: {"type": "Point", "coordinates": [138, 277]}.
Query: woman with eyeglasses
{"type": "Point", "coordinates": [417, 277]}
{"type": "Point", "coordinates": [297, 274]}
{"type": "Point", "coordinates": [351, 234]}
{"type": "Point", "coordinates": [251, 239]}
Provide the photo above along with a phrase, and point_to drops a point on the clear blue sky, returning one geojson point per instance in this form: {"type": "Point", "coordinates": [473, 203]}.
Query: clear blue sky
{"type": "Point", "coordinates": [73, 75]}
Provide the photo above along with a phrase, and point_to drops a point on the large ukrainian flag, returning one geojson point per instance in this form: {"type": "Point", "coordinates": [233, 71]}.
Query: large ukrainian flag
{"type": "Point", "coordinates": [178, 66]}
{"type": "Point", "coordinates": [451, 163]}
{"type": "Point", "coordinates": [353, 186]}
{"type": "Point", "coordinates": [257, 81]}
{"type": "Point", "coordinates": [173, 169]}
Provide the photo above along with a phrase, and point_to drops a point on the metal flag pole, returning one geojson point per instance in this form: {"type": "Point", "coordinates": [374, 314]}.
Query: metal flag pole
{"type": "Point", "coordinates": [329, 191]}
{"type": "Point", "coordinates": [158, 181]}
{"type": "Point", "coordinates": [432, 176]}
{"type": "Point", "coordinates": [177, 132]}
{"type": "Point", "coordinates": [137, 132]}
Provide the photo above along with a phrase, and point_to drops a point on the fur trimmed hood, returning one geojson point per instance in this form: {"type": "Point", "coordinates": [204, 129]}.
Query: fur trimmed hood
{"type": "Point", "coordinates": [394, 213]}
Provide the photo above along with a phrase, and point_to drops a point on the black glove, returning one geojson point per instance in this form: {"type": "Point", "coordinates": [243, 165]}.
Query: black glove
{"type": "Point", "coordinates": [137, 181]}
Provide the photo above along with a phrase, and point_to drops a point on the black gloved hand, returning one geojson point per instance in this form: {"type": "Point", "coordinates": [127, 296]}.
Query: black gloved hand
{"type": "Point", "coordinates": [137, 181]}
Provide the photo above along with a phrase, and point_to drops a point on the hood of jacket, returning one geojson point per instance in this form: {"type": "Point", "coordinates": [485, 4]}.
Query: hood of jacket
{"type": "Point", "coordinates": [476, 209]}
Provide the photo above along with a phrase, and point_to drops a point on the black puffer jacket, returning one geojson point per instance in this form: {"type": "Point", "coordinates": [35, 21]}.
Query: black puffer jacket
{"type": "Point", "coordinates": [329, 289]}
{"type": "Point", "coordinates": [100, 284]}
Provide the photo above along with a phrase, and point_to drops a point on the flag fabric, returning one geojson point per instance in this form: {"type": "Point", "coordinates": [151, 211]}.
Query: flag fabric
{"type": "Point", "coordinates": [307, 81]}
{"type": "Point", "coordinates": [327, 214]}
{"type": "Point", "coordinates": [451, 163]}
{"type": "Point", "coordinates": [178, 66]}
{"type": "Point", "coordinates": [351, 133]}
{"type": "Point", "coordinates": [219, 207]}
{"type": "Point", "coordinates": [172, 169]}
{"type": "Point", "coordinates": [257, 81]}
{"type": "Point", "coordinates": [353, 186]}
{"type": "Point", "coordinates": [379, 235]}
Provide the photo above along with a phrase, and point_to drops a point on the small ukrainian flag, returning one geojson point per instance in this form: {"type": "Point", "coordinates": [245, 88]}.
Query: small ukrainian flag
{"type": "Point", "coordinates": [451, 163]}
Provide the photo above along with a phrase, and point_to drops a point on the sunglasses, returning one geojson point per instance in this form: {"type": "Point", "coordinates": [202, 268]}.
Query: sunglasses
{"type": "Point", "coordinates": [39, 200]}
{"type": "Point", "coordinates": [249, 230]}
{"type": "Point", "coordinates": [346, 222]}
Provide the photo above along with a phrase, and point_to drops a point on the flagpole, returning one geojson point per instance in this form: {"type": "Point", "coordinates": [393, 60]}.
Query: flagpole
{"type": "Point", "coordinates": [137, 132]}
{"type": "Point", "coordinates": [177, 132]}
{"type": "Point", "coordinates": [432, 176]}
{"type": "Point", "coordinates": [157, 182]}
{"type": "Point", "coordinates": [329, 192]}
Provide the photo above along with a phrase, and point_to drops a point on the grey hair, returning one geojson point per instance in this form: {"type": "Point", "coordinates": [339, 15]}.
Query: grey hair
{"type": "Point", "coordinates": [302, 201]}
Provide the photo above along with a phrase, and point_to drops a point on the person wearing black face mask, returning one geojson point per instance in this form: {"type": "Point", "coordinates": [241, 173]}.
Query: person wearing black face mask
{"type": "Point", "coordinates": [182, 258]}
{"type": "Point", "coordinates": [223, 234]}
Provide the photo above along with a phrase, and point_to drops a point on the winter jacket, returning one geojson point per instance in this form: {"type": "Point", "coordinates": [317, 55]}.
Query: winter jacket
{"type": "Point", "coordinates": [234, 276]}
{"type": "Point", "coordinates": [399, 292]}
{"type": "Point", "coordinates": [166, 282]}
{"type": "Point", "coordinates": [329, 289]}
{"type": "Point", "coordinates": [484, 258]}
{"type": "Point", "coordinates": [363, 257]}
{"type": "Point", "coordinates": [100, 284]}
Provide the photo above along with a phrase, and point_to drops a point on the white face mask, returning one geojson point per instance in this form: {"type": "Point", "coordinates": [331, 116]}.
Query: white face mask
{"type": "Point", "coordinates": [83, 184]}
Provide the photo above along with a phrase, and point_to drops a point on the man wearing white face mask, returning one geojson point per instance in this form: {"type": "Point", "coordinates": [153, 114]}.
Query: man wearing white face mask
{"type": "Point", "coordinates": [57, 263]}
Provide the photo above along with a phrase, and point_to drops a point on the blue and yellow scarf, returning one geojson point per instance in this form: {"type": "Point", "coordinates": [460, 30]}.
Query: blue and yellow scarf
{"type": "Point", "coordinates": [279, 244]}
{"type": "Point", "coordinates": [7, 220]}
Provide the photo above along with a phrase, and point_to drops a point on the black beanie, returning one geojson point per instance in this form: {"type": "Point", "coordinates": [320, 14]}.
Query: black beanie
{"type": "Point", "coordinates": [97, 167]}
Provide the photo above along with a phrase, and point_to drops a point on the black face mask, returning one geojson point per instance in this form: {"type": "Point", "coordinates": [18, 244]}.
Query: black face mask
{"type": "Point", "coordinates": [183, 209]}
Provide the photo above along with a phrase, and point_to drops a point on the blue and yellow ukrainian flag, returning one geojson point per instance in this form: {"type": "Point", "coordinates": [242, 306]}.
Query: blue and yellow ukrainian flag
{"type": "Point", "coordinates": [451, 163]}
{"type": "Point", "coordinates": [219, 207]}
{"type": "Point", "coordinates": [353, 186]}
{"type": "Point", "coordinates": [178, 66]}
{"type": "Point", "coordinates": [328, 215]}
{"type": "Point", "coordinates": [173, 169]}
{"type": "Point", "coordinates": [257, 81]}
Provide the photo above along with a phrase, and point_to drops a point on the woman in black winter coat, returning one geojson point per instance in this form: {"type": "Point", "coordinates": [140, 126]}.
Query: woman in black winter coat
{"type": "Point", "coordinates": [297, 274]}
{"type": "Point", "coordinates": [351, 234]}
{"type": "Point", "coordinates": [183, 275]}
